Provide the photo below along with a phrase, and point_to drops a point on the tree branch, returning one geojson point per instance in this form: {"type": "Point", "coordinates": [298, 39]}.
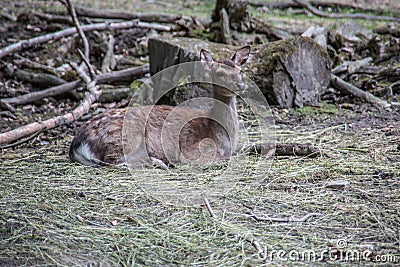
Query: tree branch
{"type": "Point", "coordinates": [126, 15]}
{"type": "Point", "coordinates": [320, 13]}
{"type": "Point", "coordinates": [351, 89]}
{"type": "Point", "coordinates": [91, 27]}
{"type": "Point", "coordinates": [72, 12]}
{"type": "Point", "coordinates": [126, 74]}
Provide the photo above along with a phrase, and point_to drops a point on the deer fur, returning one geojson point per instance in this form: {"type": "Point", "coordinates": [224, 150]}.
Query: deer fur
{"type": "Point", "coordinates": [164, 134]}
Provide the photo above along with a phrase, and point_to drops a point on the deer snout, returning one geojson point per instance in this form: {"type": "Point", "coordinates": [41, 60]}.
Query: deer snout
{"type": "Point", "coordinates": [241, 86]}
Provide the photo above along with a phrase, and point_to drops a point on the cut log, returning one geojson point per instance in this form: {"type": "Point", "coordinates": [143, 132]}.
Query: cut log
{"type": "Point", "coordinates": [291, 73]}
{"type": "Point", "coordinates": [239, 16]}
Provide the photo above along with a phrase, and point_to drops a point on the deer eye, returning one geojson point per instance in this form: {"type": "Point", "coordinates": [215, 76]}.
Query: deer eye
{"type": "Point", "coordinates": [220, 73]}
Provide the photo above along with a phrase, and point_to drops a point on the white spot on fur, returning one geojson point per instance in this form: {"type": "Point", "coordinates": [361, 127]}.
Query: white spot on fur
{"type": "Point", "coordinates": [85, 156]}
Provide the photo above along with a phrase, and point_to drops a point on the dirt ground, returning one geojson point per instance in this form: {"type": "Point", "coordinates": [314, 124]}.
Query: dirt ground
{"type": "Point", "coordinates": [54, 212]}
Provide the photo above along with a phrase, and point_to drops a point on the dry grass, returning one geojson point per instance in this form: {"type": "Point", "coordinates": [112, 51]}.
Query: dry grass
{"type": "Point", "coordinates": [57, 213]}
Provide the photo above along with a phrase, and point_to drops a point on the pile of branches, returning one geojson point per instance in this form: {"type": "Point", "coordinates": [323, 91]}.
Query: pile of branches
{"type": "Point", "coordinates": [73, 76]}
{"type": "Point", "coordinates": [366, 63]}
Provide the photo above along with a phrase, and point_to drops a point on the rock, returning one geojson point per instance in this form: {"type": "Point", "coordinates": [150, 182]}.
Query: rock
{"type": "Point", "coordinates": [291, 73]}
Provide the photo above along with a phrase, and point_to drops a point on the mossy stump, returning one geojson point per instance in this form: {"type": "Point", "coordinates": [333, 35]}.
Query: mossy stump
{"type": "Point", "coordinates": [291, 73]}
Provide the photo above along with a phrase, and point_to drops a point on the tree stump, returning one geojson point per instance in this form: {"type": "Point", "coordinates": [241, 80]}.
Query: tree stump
{"type": "Point", "coordinates": [291, 73]}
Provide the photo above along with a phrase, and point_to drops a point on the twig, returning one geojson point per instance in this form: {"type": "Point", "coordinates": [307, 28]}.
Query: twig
{"type": "Point", "coordinates": [87, 64]}
{"type": "Point", "coordinates": [72, 12]}
{"type": "Point", "coordinates": [34, 96]}
{"type": "Point", "coordinates": [91, 27]}
{"type": "Point", "coordinates": [209, 208]}
{"type": "Point", "coordinates": [126, 74]}
{"type": "Point", "coordinates": [54, 18]}
{"type": "Point", "coordinates": [81, 73]}
{"type": "Point", "coordinates": [284, 220]}
{"type": "Point", "coordinates": [34, 65]}
{"type": "Point", "coordinates": [108, 62]}
{"type": "Point", "coordinates": [320, 13]}
{"type": "Point", "coordinates": [257, 246]}
{"type": "Point", "coordinates": [351, 89]}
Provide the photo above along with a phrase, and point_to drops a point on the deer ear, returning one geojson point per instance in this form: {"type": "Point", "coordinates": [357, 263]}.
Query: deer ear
{"type": "Point", "coordinates": [206, 57]}
{"type": "Point", "coordinates": [241, 55]}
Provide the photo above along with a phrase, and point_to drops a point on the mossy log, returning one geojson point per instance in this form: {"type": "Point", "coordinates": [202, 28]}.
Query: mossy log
{"type": "Point", "coordinates": [291, 73]}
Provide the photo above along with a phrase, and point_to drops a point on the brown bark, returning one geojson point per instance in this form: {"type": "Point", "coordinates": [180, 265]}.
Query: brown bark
{"type": "Point", "coordinates": [126, 15]}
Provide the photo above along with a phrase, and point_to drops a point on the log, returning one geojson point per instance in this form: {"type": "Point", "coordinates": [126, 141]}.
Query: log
{"type": "Point", "coordinates": [351, 89]}
{"type": "Point", "coordinates": [40, 79]}
{"type": "Point", "coordinates": [90, 27]}
{"type": "Point", "coordinates": [239, 16]}
{"type": "Point", "coordinates": [126, 15]}
{"type": "Point", "coordinates": [320, 13]}
{"type": "Point", "coordinates": [291, 73]}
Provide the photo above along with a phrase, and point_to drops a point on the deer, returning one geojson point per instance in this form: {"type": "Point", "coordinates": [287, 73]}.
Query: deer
{"type": "Point", "coordinates": [167, 135]}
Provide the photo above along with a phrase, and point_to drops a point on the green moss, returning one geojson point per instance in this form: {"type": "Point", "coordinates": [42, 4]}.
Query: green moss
{"type": "Point", "coordinates": [323, 109]}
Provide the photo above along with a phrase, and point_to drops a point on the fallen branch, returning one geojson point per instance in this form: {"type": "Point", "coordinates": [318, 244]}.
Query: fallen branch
{"type": "Point", "coordinates": [34, 127]}
{"type": "Point", "coordinates": [351, 66]}
{"type": "Point", "coordinates": [22, 141]}
{"type": "Point", "coordinates": [40, 79]}
{"type": "Point", "coordinates": [34, 65]}
{"type": "Point", "coordinates": [284, 220]}
{"type": "Point", "coordinates": [290, 149]}
{"type": "Point", "coordinates": [351, 89]}
{"type": "Point", "coordinates": [91, 27]}
{"type": "Point", "coordinates": [54, 18]}
{"type": "Point", "coordinates": [126, 15]}
{"type": "Point", "coordinates": [320, 13]}
{"type": "Point", "coordinates": [78, 27]}
{"type": "Point", "coordinates": [122, 75]}
{"type": "Point", "coordinates": [331, 4]}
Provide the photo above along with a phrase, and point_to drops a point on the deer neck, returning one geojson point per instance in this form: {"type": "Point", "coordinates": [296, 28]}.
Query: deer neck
{"type": "Point", "coordinates": [224, 113]}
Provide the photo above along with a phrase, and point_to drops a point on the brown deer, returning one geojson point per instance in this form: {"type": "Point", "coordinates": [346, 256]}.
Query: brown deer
{"type": "Point", "coordinates": [164, 135]}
